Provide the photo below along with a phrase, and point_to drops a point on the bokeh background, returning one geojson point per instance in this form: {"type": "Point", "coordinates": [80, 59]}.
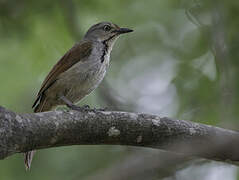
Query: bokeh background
{"type": "Point", "coordinates": [181, 61]}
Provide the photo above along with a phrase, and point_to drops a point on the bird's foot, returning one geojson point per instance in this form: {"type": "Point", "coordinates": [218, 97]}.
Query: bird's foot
{"type": "Point", "coordinates": [78, 108]}
{"type": "Point", "coordinates": [85, 108]}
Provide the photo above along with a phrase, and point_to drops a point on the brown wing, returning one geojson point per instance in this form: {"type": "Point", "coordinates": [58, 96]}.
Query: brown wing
{"type": "Point", "coordinates": [74, 55]}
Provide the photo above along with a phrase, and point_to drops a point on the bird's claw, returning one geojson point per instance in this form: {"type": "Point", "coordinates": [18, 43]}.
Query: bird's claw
{"type": "Point", "coordinates": [78, 108]}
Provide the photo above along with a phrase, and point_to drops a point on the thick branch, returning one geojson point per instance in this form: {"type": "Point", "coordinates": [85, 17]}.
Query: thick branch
{"type": "Point", "coordinates": [20, 133]}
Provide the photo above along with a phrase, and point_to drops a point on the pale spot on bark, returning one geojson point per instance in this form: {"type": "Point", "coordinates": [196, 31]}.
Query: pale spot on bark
{"type": "Point", "coordinates": [40, 114]}
{"type": "Point", "coordinates": [71, 112]}
{"type": "Point", "coordinates": [106, 112]}
{"type": "Point", "coordinates": [113, 132]}
{"type": "Point", "coordinates": [139, 139]}
{"type": "Point", "coordinates": [156, 121]}
{"type": "Point", "coordinates": [58, 112]}
{"type": "Point", "coordinates": [7, 116]}
{"type": "Point", "coordinates": [133, 116]}
{"type": "Point", "coordinates": [192, 131]}
{"type": "Point", "coordinates": [91, 113]}
{"type": "Point", "coordinates": [18, 118]}
{"type": "Point", "coordinates": [57, 124]}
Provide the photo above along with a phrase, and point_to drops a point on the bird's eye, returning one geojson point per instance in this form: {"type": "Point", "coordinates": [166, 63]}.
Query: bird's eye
{"type": "Point", "coordinates": [107, 28]}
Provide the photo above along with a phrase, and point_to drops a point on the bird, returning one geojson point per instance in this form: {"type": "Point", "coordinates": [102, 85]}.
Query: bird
{"type": "Point", "coordinates": [78, 72]}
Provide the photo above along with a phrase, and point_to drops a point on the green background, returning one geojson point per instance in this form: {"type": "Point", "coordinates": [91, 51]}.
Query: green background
{"type": "Point", "coordinates": [174, 64]}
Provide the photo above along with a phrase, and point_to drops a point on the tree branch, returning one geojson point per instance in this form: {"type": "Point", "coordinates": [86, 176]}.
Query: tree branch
{"type": "Point", "coordinates": [21, 133]}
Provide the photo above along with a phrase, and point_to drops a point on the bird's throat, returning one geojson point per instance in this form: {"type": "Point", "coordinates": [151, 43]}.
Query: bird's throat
{"type": "Point", "coordinates": [107, 46]}
{"type": "Point", "coordinates": [105, 51]}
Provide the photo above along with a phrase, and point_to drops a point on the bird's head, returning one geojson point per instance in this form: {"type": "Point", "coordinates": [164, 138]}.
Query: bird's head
{"type": "Point", "coordinates": [105, 32]}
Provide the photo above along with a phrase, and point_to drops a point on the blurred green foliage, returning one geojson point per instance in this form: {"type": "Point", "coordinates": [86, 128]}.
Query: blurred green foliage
{"type": "Point", "coordinates": [169, 66]}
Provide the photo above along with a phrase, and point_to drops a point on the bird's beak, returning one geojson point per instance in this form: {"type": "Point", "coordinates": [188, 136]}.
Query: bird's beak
{"type": "Point", "coordinates": [123, 30]}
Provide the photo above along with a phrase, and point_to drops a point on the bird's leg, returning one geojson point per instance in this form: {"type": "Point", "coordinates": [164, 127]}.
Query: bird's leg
{"type": "Point", "coordinates": [72, 106]}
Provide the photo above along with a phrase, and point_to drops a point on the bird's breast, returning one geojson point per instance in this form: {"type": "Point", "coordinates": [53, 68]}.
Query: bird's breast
{"type": "Point", "coordinates": [84, 77]}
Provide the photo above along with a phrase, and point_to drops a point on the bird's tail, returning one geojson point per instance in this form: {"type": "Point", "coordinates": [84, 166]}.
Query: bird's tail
{"type": "Point", "coordinates": [28, 156]}
{"type": "Point", "coordinates": [40, 107]}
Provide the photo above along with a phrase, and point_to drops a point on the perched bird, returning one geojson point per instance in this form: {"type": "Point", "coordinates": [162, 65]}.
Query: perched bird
{"type": "Point", "coordinates": [78, 72]}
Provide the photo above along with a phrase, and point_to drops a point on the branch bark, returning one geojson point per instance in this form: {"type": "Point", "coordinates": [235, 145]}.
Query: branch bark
{"type": "Point", "coordinates": [21, 133]}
